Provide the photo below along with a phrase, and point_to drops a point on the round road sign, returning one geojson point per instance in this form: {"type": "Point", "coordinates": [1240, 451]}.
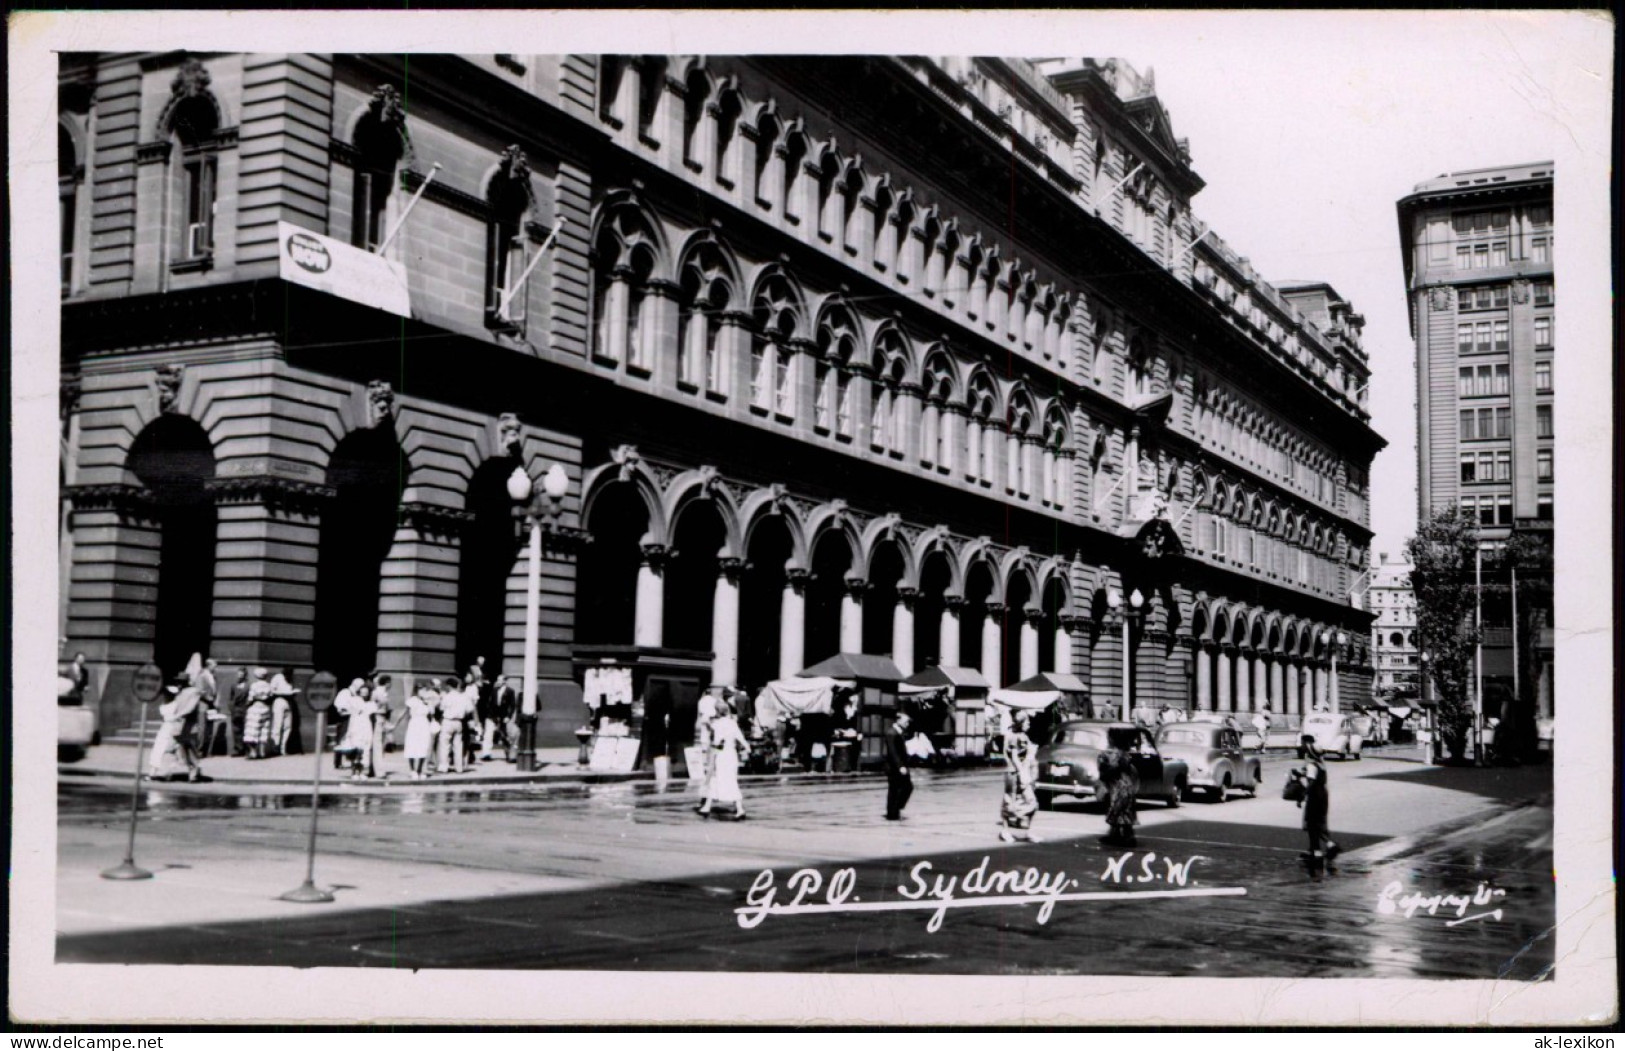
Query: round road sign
{"type": "Point", "coordinates": [320, 690]}
{"type": "Point", "coordinates": [147, 683]}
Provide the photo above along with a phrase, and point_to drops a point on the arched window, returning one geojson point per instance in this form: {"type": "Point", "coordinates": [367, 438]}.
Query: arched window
{"type": "Point", "coordinates": [772, 374]}
{"type": "Point", "coordinates": [511, 199]}
{"type": "Point", "coordinates": [1099, 357]}
{"type": "Point", "coordinates": [611, 73]}
{"type": "Point", "coordinates": [651, 93]}
{"type": "Point", "coordinates": [1099, 454]}
{"type": "Point", "coordinates": [1057, 457]}
{"type": "Point", "coordinates": [623, 259]}
{"type": "Point", "coordinates": [837, 349]}
{"type": "Point", "coordinates": [829, 215]}
{"type": "Point", "coordinates": [768, 174]}
{"type": "Point", "coordinates": [67, 191]}
{"type": "Point", "coordinates": [696, 93]}
{"type": "Point", "coordinates": [980, 402]}
{"type": "Point", "coordinates": [793, 157]}
{"type": "Point", "coordinates": [936, 422]}
{"type": "Point", "coordinates": [1018, 476]}
{"type": "Point", "coordinates": [1139, 371]}
{"type": "Point", "coordinates": [885, 238]}
{"type": "Point", "coordinates": [908, 246]}
{"type": "Point", "coordinates": [887, 425]}
{"type": "Point", "coordinates": [380, 144]}
{"type": "Point", "coordinates": [706, 293]}
{"type": "Point", "coordinates": [930, 249]}
{"type": "Point", "coordinates": [728, 107]}
{"type": "Point", "coordinates": [192, 121]}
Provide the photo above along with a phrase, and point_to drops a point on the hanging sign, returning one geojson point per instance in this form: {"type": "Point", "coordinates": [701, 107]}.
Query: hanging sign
{"type": "Point", "coordinates": [342, 270]}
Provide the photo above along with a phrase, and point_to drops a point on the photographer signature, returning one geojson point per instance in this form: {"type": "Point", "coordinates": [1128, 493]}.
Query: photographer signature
{"type": "Point", "coordinates": [1394, 900]}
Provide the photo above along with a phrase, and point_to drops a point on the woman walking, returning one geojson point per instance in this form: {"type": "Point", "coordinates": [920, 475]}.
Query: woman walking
{"type": "Point", "coordinates": [727, 746]}
{"type": "Point", "coordinates": [420, 728]}
{"type": "Point", "coordinates": [1316, 804]}
{"type": "Point", "coordinates": [1021, 772]}
{"type": "Point", "coordinates": [358, 709]}
{"type": "Point", "coordinates": [1122, 783]}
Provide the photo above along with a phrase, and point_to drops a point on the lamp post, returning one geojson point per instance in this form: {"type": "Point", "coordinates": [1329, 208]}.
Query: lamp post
{"type": "Point", "coordinates": [1114, 599]}
{"type": "Point", "coordinates": [1334, 643]}
{"type": "Point", "coordinates": [540, 510]}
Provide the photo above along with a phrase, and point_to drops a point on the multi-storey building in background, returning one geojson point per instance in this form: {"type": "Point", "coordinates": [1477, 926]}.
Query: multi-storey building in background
{"type": "Point", "coordinates": [1393, 634]}
{"type": "Point", "coordinates": [1478, 248]}
{"type": "Point", "coordinates": [918, 357]}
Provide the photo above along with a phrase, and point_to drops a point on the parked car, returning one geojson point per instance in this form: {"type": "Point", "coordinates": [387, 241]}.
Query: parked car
{"type": "Point", "coordinates": [76, 727]}
{"type": "Point", "coordinates": [1334, 733]}
{"type": "Point", "coordinates": [1070, 764]}
{"type": "Point", "coordinates": [1215, 757]}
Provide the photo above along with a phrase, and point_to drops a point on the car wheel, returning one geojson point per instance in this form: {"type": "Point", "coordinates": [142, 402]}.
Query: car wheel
{"type": "Point", "coordinates": [1258, 779]}
{"type": "Point", "coordinates": [1173, 797]}
{"type": "Point", "coordinates": [1221, 791]}
{"type": "Point", "coordinates": [1046, 800]}
{"type": "Point", "coordinates": [69, 753]}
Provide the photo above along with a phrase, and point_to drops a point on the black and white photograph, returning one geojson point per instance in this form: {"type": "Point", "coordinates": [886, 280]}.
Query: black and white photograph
{"type": "Point", "coordinates": [1044, 518]}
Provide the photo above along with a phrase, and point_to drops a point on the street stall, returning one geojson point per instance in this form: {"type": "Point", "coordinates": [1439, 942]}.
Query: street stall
{"type": "Point", "coordinates": [869, 703]}
{"type": "Point", "coordinates": [641, 705]}
{"type": "Point", "coordinates": [1052, 696]}
{"type": "Point", "coordinates": [949, 703]}
{"type": "Point", "coordinates": [791, 716]}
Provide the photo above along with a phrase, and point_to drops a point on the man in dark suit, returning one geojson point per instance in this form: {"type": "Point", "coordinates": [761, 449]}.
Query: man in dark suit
{"type": "Point", "coordinates": [899, 783]}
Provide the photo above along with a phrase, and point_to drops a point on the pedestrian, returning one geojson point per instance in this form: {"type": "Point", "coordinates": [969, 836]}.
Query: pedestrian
{"type": "Point", "coordinates": [179, 726]}
{"type": "Point", "coordinates": [355, 704]}
{"type": "Point", "coordinates": [282, 695]}
{"type": "Point", "coordinates": [1020, 801]}
{"type": "Point", "coordinates": [382, 725]}
{"type": "Point", "coordinates": [899, 782]}
{"type": "Point", "coordinates": [421, 709]}
{"type": "Point", "coordinates": [239, 711]}
{"type": "Point", "coordinates": [1316, 804]}
{"type": "Point", "coordinates": [1122, 784]}
{"type": "Point", "coordinates": [1261, 723]}
{"type": "Point", "coordinates": [454, 713]}
{"type": "Point", "coordinates": [257, 716]}
{"type": "Point", "coordinates": [706, 711]}
{"type": "Point", "coordinates": [727, 748]}
{"type": "Point", "coordinates": [504, 710]}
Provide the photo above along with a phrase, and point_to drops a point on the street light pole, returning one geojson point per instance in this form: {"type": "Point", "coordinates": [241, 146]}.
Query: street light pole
{"type": "Point", "coordinates": [1114, 600]}
{"type": "Point", "coordinates": [540, 509]}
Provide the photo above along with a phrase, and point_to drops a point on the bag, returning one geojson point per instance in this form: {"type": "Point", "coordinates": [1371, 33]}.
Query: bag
{"type": "Point", "coordinates": [1293, 791]}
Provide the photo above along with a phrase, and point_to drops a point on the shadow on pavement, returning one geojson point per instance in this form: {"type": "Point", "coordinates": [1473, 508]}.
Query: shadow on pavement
{"type": "Point", "coordinates": [1500, 783]}
{"type": "Point", "coordinates": [1235, 908]}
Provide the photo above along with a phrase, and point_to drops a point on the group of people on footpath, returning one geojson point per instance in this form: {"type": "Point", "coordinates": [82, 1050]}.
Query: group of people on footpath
{"type": "Point", "coordinates": [451, 723]}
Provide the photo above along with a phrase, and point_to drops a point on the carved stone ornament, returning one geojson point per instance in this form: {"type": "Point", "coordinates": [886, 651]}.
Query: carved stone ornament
{"type": "Point", "coordinates": [380, 403]}
{"type": "Point", "coordinates": [280, 496]}
{"type": "Point", "coordinates": [169, 386]}
{"type": "Point", "coordinates": [1520, 290]}
{"type": "Point", "coordinates": [387, 107]}
{"type": "Point", "coordinates": [432, 520]}
{"type": "Point", "coordinates": [509, 435]}
{"type": "Point", "coordinates": [1440, 297]}
{"type": "Point", "coordinates": [191, 80]}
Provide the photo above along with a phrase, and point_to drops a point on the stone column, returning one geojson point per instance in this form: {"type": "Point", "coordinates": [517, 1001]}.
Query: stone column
{"type": "Point", "coordinates": [1222, 670]}
{"type": "Point", "coordinates": [725, 623]}
{"type": "Point", "coordinates": [1244, 681]}
{"type": "Point", "coordinates": [613, 324]}
{"type": "Point", "coordinates": [852, 614]}
{"type": "Point", "coordinates": [1029, 641]}
{"type": "Point", "coordinates": [793, 623]}
{"type": "Point", "coordinates": [1261, 682]}
{"type": "Point", "coordinates": [1291, 675]}
{"type": "Point", "coordinates": [417, 618]}
{"type": "Point", "coordinates": [1063, 645]}
{"type": "Point", "coordinates": [993, 644]}
{"type": "Point", "coordinates": [1318, 691]}
{"type": "Point", "coordinates": [1204, 679]}
{"type": "Point", "coordinates": [948, 631]}
{"type": "Point", "coordinates": [902, 630]}
{"type": "Point", "coordinates": [1277, 684]}
{"type": "Point", "coordinates": [648, 625]}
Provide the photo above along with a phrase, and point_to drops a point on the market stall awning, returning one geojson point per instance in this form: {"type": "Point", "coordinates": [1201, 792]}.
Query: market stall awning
{"type": "Point", "coordinates": [1054, 681]}
{"type": "Point", "coordinates": [791, 698]}
{"type": "Point", "coordinates": [1025, 700]}
{"type": "Point", "coordinates": [939, 677]}
{"type": "Point", "coordinates": [863, 666]}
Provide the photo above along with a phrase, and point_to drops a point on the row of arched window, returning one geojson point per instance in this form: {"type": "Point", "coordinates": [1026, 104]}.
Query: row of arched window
{"type": "Point", "coordinates": [1256, 437]}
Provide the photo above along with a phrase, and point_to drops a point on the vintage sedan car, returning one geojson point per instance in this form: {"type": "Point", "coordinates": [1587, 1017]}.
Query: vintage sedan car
{"type": "Point", "coordinates": [76, 727]}
{"type": "Point", "coordinates": [1333, 732]}
{"type": "Point", "coordinates": [1214, 755]}
{"type": "Point", "coordinates": [1070, 764]}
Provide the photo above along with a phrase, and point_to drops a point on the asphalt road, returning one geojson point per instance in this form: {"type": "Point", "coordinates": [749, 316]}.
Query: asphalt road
{"type": "Point", "coordinates": [628, 877]}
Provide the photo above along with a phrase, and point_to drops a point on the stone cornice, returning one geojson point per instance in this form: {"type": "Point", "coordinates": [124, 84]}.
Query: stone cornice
{"type": "Point", "coordinates": [277, 495]}
{"type": "Point", "coordinates": [130, 502]}
{"type": "Point", "coordinates": [434, 520]}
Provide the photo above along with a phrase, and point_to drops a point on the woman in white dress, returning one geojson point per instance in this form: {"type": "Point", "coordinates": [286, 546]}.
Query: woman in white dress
{"type": "Point", "coordinates": [728, 746]}
{"type": "Point", "coordinates": [421, 708]}
{"type": "Point", "coordinates": [356, 705]}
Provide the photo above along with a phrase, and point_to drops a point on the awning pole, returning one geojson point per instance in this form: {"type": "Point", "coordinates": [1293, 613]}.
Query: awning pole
{"type": "Point", "coordinates": [513, 290]}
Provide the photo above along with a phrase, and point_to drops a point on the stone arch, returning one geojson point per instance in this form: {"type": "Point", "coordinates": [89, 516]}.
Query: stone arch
{"type": "Point", "coordinates": [982, 552]}
{"type": "Point", "coordinates": [174, 459]}
{"type": "Point", "coordinates": [883, 530]}
{"type": "Point", "coordinates": [771, 503]}
{"type": "Point", "coordinates": [624, 223]}
{"type": "Point", "coordinates": [627, 471]}
{"type": "Point", "coordinates": [193, 111]}
{"type": "Point", "coordinates": [1019, 562]}
{"type": "Point", "coordinates": [1057, 570]}
{"type": "Point", "coordinates": [775, 291]}
{"type": "Point", "coordinates": [717, 255]}
{"type": "Point", "coordinates": [982, 395]}
{"type": "Point", "coordinates": [937, 542]}
{"type": "Point", "coordinates": [701, 486]}
{"type": "Point", "coordinates": [834, 517]}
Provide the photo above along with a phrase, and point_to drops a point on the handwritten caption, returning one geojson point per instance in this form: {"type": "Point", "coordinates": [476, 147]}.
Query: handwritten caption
{"type": "Point", "coordinates": [1395, 900]}
{"type": "Point", "coordinates": [809, 891]}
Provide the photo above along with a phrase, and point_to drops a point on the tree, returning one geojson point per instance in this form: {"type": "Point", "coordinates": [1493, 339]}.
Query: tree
{"type": "Point", "coordinates": [1442, 555]}
{"type": "Point", "coordinates": [1529, 554]}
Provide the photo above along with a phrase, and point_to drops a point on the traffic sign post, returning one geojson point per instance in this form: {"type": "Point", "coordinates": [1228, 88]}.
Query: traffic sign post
{"type": "Point", "coordinates": [145, 685]}
{"type": "Point", "coordinates": [319, 693]}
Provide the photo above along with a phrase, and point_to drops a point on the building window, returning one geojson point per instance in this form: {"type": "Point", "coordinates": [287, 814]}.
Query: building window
{"type": "Point", "coordinates": [1503, 510]}
{"type": "Point", "coordinates": [784, 393]}
{"type": "Point", "coordinates": [1464, 383]}
{"type": "Point", "coordinates": [1540, 215]}
{"type": "Point", "coordinates": [1498, 296]}
{"type": "Point", "coordinates": [1502, 336]}
{"type": "Point", "coordinates": [1543, 332]}
{"type": "Point", "coordinates": [380, 143]}
{"type": "Point", "coordinates": [1468, 474]}
{"type": "Point", "coordinates": [1464, 339]}
{"type": "Point", "coordinates": [1481, 257]}
{"type": "Point", "coordinates": [1543, 507]}
{"type": "Point", "coordinates": [1498, 253]}
{"type": "Point", "coordinates": [511, 199]}
{"type": "Point", "coordinates": [1503, 466]}
{"type": "Point", "coordinates": [1464, 257]}
{"type": "Point", "coordinates": [1503, 422]}
{"type": "Point", "coordinates": [1544, 293]}
{"type": "Point", "coordinates": [1483, 331]}
{"type": "Point", "coordinates": [760, 356]}
{"type": "Point", "coordinates": [1543, 421]}
{"type": "Point", "coordinates": [1543, 465]}
{"type": "Point", "coordinates": [1540, 250]}
{"type": "Point", "coordinates": [1543, 377]}
{"type": "Point", "coordinates": [67, 189]}
{"type": "Point", "coordinates": [1503, 379]}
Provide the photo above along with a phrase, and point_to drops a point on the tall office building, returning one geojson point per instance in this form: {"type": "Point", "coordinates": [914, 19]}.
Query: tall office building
{"type": "Point", "coordinates": [910, 358]}
{"type": "Point", "coordinates": [1478, 248]}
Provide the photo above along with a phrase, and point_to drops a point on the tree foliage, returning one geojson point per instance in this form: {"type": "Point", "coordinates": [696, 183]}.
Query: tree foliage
{"type": "Point", "coordinates": [1442, 555]}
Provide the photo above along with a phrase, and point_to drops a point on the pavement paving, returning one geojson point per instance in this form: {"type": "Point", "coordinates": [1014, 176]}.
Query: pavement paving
{"type": "Point", "coordinates": [625, 876]}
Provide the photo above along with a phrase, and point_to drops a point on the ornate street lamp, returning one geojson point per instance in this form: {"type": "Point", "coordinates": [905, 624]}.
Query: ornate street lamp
{"type": "Point", "coordinates": [1335, 643]}
{"type": "Point", "coordinates": [1114, 600]}
{"type": "Point", "coordinates": [541, 512]}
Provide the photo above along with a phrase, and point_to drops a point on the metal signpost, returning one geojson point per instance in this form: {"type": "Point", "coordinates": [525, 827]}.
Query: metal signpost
{"type": "Point", "coordinates": [145, 686]}
{"type": "Point", "coordinates": [319, 693]}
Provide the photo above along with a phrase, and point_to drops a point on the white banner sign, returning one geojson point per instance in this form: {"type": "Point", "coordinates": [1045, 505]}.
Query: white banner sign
{"type": "Point", "coordinates": [342, 270]}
